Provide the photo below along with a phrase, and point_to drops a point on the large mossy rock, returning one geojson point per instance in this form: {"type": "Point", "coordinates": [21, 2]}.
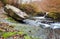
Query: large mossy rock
{"type": "Point", "coordinates": [54, 15]}
{"type": "Point", "coordinates": [15, 12]}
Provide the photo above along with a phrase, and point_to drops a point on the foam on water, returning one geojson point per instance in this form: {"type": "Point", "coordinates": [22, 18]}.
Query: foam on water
{"type": "Point", "coordinates": [37, 22]}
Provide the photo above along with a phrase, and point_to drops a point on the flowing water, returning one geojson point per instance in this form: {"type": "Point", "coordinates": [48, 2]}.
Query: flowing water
{"type": "Point", "coordinates": [48, 25]}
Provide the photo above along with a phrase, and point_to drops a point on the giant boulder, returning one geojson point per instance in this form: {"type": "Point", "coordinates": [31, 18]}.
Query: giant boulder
{"type": "Point", "coordinates": [15, 12]}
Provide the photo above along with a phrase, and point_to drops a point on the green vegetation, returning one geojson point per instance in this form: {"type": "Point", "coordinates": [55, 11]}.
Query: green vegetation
{"type": "Point", "coordinates": [20, 33]}
{"type": "Point", "coordinates": [11, 20]}
{"type": "Point", "coordinates": [8, 34]}
{"type": "Point", "coordinates": [27, 37]}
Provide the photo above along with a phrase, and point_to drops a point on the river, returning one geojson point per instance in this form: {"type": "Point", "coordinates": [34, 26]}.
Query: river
{"type": "Point", "coordinates": [39, 26]}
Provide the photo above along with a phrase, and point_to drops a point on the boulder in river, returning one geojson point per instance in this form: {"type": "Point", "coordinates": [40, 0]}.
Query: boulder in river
{"type": "Point", "coordinates": [15, 12]}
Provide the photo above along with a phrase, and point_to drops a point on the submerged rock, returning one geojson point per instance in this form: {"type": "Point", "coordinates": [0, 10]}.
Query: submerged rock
{"type": "Point", "coordinates": [15, 12]}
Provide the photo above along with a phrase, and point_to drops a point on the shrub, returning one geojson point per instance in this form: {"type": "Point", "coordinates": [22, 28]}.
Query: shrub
{"type": "Point", "coordinates": [28, 8]}
{"type": "Point", "coordinates": [54, 15]}
{"type": "Point", "coordinates": [6, 2]}
{"type": "Point", "coordinates": [40, 14]}
{"type": "Point", "coordinates": [8, 34]}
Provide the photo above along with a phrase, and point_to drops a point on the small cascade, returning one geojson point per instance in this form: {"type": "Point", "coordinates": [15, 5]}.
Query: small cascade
{"type": "Point", "coordinates": [38, 20]}
{"type": "Point", "coordinates": [46, 14]}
